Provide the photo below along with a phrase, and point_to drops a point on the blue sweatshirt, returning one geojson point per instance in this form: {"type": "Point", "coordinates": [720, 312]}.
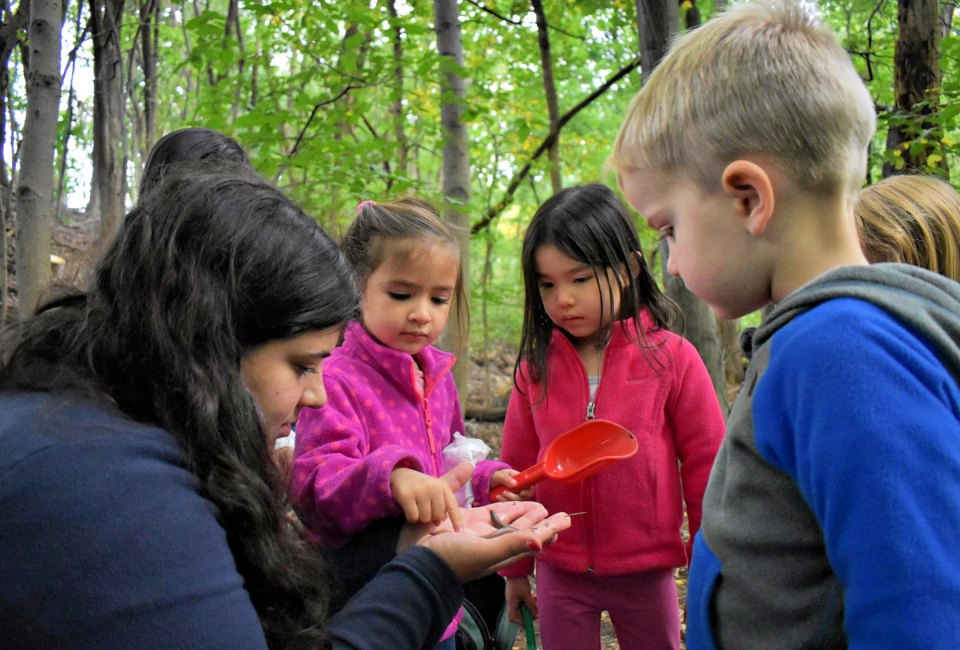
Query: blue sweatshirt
{"type": "Point", "coordinates": [832, 515]}
{"type": "Point", "coordinates": [105, 542]}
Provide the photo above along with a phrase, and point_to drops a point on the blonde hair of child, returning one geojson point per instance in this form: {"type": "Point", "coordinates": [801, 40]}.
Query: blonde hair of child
{"type": "Point", "coordinates": [396, 231]}
{"type": "Point", "coordinates": [911, 219]}
{"type": "Point", "coordinates": [763, 81]}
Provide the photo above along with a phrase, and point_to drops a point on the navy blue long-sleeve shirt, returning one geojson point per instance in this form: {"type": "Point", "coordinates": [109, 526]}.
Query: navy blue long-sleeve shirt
{"type": "Point", "coordinates": [105, 542]}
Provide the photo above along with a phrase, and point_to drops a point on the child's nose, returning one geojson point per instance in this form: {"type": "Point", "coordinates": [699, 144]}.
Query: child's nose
{"type": "Point", "coordinates": [564, 297]}
{"type": "Point", "coordinates": [420, 312]}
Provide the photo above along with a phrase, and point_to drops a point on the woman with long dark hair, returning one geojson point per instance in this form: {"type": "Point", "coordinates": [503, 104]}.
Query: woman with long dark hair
{"type": "Point", "coordinates": [139, 506]}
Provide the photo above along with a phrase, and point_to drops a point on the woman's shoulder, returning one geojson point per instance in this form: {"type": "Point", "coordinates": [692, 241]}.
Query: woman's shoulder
{"type": "Point", "coordinates": [77, 427]}
{"type": "Point", "coordinates": [89, 457]}
{"type": "Point", "coordinates": [88, 493]}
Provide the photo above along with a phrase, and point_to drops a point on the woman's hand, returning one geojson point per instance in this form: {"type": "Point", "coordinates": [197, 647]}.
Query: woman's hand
{"type": "Point", "coordinates": [505, 478]}
{"type": "Point", "coordinates": [518, 589]}
{"type": "Point", "coordinates": [474, 553]}
{"type": "Point", "coordinates": [426, 499]}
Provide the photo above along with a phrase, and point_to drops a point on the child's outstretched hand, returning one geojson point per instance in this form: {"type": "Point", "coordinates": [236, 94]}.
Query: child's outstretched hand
{"type": "Point", "coordinates": [425, 499]}
{"type": "Point", "coordinates": [504, 477]}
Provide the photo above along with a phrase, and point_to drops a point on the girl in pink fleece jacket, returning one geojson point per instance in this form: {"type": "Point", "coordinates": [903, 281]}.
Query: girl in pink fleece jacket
{"type": "Point", "coordinates": [375, 450]}
{"type": "Point", "coordinates": [595, 344]}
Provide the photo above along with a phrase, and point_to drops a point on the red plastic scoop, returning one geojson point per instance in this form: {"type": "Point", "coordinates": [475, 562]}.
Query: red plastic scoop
{"type": "Point", "coordinates": [580, 452]}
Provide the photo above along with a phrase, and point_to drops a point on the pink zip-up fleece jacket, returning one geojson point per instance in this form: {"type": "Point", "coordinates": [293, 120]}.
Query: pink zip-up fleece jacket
{"type": "Point", "coordinates": [634, 507]}
{"type": "Point", "coordinates": [374, 421]}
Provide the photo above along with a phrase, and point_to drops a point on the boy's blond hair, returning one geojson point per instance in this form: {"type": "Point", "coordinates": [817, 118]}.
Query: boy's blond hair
{"type": "Point", "coordinates": [911, 219]}
{"type": "Point", "coordinates": [760, 80]}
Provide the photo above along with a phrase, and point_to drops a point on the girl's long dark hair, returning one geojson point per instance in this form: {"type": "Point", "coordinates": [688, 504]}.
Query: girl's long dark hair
{"type": "Point", "coordinates": [208, 265]}
{"type": "Point", "coordinates": [590, 224]}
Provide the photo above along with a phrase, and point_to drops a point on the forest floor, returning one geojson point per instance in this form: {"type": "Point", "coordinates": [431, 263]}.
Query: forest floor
{"type": "Point", "coordinates": [490, 389]}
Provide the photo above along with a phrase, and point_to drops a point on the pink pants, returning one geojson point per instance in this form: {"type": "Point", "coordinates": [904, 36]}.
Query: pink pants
{"type": "Point", "coordinates": [643, 608]}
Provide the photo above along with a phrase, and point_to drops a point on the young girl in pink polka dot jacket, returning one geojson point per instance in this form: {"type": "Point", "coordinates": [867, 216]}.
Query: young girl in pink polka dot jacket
{"type": "Point", "coordinates": [376, 448]}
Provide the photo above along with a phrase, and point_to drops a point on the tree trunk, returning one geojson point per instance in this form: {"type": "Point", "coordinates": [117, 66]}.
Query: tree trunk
{"type": "Point", "coordinates": [149, 40]}
{"type": "Point", "coordinates": [105, 20]}
{"type": "Point", "coordinates": [35, 190]}
{"type": "Point", "coordinates": [397, 112]}
{"type": "Point", "coordinates": [456, 168]}
{"type": "Point", "coordinates": [657, 21]}
{"type": "Point", "coordinates": [915, 142]}
{"type": "Point", "coordinates": [9, 40]}
{"type": "Point", "coordinates": [691, 14]}
{"type": "Point", "coordinates": [732, 356]}
{"type": "Point", "coordinates": [351, 73]}
{"type": "Point", "coordinates": [233, 21]}
{"type": "Point", "coordinates": [3, 263]}
{"type": "Point", "coordinates": [700, 327]}
{"type": "Point", "coordinates": [550, 90]}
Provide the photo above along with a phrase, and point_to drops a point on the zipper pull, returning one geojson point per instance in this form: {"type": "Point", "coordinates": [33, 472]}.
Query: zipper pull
{"type": "Point", "coordinates": [591, 407]}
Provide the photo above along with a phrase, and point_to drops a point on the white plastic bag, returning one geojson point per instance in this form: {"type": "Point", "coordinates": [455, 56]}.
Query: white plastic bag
{"type": "Point", "coordinates": [461, 449]}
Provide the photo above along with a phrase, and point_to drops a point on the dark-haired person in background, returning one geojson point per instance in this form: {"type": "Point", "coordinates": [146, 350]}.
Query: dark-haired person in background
{"type": "Point", "coordinates": [192, 144]}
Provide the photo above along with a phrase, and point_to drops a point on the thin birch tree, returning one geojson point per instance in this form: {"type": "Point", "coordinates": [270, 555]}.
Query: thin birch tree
{"type": "Point", "coordinates": [10, 28]}
{"type": "Point", "coordinates": [35, 189]}
{"type": "Point", "coordinates": [456, 165]}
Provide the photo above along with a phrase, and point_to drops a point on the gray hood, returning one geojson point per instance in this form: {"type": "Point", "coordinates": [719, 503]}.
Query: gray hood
{"type": "Point", "coordinates": [925, 301]}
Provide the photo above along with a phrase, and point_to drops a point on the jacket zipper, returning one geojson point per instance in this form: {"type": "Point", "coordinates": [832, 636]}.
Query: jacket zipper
{"type": "Point", "coordinates": [584, 491]}
{"type": "Point", "coordinates": [588, 493]}
{"type": "Point", "coordinates": [427, 420]}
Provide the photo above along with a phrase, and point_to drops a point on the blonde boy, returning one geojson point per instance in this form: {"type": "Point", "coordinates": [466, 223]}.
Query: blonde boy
{"type": "Point", "coordinates": [832, 515]}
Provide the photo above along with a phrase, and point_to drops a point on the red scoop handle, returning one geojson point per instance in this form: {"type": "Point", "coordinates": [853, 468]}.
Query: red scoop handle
{"type": "Point", "coordinates": [524, 479]}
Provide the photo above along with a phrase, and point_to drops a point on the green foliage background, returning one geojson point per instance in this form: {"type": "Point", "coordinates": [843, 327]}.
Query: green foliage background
{"type": "Point", "coordinates": [308, 88]}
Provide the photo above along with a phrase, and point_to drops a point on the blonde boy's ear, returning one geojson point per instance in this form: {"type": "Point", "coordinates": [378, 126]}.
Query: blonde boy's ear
{"type": "Point", "coordinates": [752, 189]}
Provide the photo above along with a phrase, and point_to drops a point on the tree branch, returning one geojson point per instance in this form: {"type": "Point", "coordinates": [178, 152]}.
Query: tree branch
{"type": "Point", "coordinates": [313, 114]}
{"type": "Point", "coordinates": [494, 212]}
{"type": "Point", "coordinates": [494, 13]}
{"type": "Point", "coordinates": [519, 23]}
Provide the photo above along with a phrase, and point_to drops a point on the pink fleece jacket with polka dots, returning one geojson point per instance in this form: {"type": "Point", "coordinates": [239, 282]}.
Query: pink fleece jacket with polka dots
{"type": "Point", "coordinates": [375, 420]}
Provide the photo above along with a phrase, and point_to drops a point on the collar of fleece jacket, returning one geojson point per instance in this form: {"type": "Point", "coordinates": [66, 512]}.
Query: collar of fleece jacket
{"type": "Point", "coordinates": [399, 366]}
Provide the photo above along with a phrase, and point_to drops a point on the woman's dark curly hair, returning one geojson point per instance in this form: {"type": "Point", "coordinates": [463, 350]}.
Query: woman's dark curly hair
{"type": "Point", "coordinates": [209, 264]}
